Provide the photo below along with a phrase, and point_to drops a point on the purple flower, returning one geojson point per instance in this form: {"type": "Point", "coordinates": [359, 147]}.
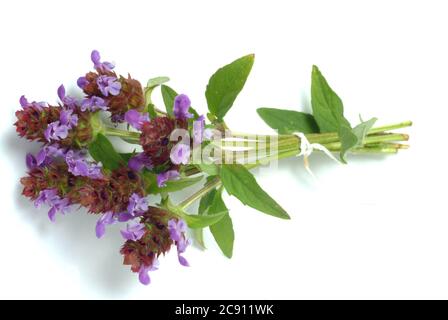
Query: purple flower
{"type": "Point", "coordinates": [79, 166]}
{"type": "Point", "coordinates": [163, 177]}
{"type": "Point", "coordinates": [100, 66]}
{"type": "Point", "coordinates": [135, 118]}
{"type": "Point", "coordinates": [181, 105]}
{"type": "Point", "coordinates": [180, 153]}
{"type": "Point", "coordinates": [66, 100]}
{"type": "Point", "coordinates": [134, 231]}
{"type": "Point", "coordinates": [137, 206]}
{"type": "Point", "coordinates": [44, 157]}
{"type": "Point", "coordinates": [117, 118]}
{"type": "Point", "coordinates": [93, 104]}
{"type": "Point", "coordinates": [25, 104]}
{"type": "Point", "coordinates": [56, 131]}
{"type": "Point", "coordinates": [108, 85]}
{"type": "Point", "coordinates": [140, 161]}
{"type": "Point", "coordinates": [143, 275]}
{"type": "Point", "coordinates": [52, 199]}
{"type": "Point", "coordinates": [82, 82]}
{"type": "Point", "coordinates": [177, 229]}
{"type": "Point", "coordinates": [67, 118]}
{"type": "Point", "coordinates": [106, 219]}
{"type": "Point", "coordinates": [198, 130]}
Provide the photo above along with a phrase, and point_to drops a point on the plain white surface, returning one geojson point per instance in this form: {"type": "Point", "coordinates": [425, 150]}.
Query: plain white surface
{"type": "Point", "coordinates": [376, 228]}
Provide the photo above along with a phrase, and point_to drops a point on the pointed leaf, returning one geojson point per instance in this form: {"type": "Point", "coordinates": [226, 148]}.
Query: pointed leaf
{"type": "Point", "coordinates": [362, 129]}
{"type": "Point", "coordinates": [222, 231]}
{"type": "Point", "coordinates": [239, 182]}
{"type": "Point", "coordinates": [225, 85]}
{"type": "Point", "coordinates": [288, 121]}
{"type": "Point", "coordinates": [102, 150]}
{"type": "Point", "coordinates": [328, 111]}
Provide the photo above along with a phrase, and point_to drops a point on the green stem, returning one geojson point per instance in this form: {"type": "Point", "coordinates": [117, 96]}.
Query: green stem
{"type": "Point", "coordinates": [201, 192]}
{"type": "Point", "coordinates": [129, 135]}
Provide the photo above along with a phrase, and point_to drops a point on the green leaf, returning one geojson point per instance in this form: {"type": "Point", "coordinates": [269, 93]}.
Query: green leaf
{"type": "Point", "coordinates": [328, 112]}
{"type": "Point", "coordinates": [171, 185]}
{"type": "Point", "coordinates": [150, 86]}
{"type": "Point", "coordinates": [225, 85]}
{"type": "Point", "coordinates": [102, 150]}
{"type": "Point", "coordinates": [195, 221]}
{"type": "Point", "coordinates": [204, 204]}
{"type": "Point", "coordinates": [240, 183]}
{"type": "Point", "coordinates": [288, 121]}
{"type": "Point", "coordinates": [222, 231]}
{"type": "Point", "coordinates": [154, 82]}
{"type": "Point", "coordinates": [168, 96]}
{"type": "Point", "coordinates": [211, 169]}
{"type": "Point", "coordinates": [362, 129]}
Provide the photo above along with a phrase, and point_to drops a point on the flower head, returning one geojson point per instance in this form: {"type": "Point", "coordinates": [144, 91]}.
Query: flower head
{"type": "Point", "coordinates": [163, 177]}
{"type": "Point", "coordinates": [25, 104]}
{"type": "Point", "coordinates": [58, 130]}
{"type": "Point", "coordinates": [143, 273]}
{"type": "Point", "coordinates": [68, 101]}
{"type": "Point", "coordinates": [108, 85]}
{"type": "Point", "coordinates": [106, 219]}
{"type": "Point", "coordinates": [52, 199]}
{"type": "Point", "coordinates": [177, 229]}
{"type": "Point", "coordinates": [44, 157]}
{"type": "Point", "coordinates": [134, 231]}
{"type": "Point", "coordinates": [137, 206]}
{"type": "Point", "coordinates": [136, 119]}
{"type": "Point", "coordinates": [79, 166]}
{"type": "Point", "coordinates": [93, 104]}
{"type": "Point", "coordinates": [181, 106]}
{"type": "Point", "coordinates": [100, 66]}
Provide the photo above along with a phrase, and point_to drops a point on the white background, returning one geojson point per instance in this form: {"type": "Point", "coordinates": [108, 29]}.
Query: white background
{"type": "Point", "coordinates": [376, 228]}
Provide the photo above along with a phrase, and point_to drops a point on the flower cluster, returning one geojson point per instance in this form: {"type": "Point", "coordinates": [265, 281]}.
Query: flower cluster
{"type": "Point", "coordinates": [63, 174]}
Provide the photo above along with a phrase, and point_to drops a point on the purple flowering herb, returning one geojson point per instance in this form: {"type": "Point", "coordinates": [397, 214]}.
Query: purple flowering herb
{"type": "Point", "coordinates": [66, 100]}
{"type": "Point", "coordinates": [140, 161]}
{"type": "Point", "coordinates": [25, 104]}
{"type": "Point", "coordinates": [93, 104]}
{"type": "Point", "coordinates": [108, 85]}
{"type": "Point", "coordinates": [100, 66]}
{"type": "Point", "coordinates": [180, 153]}
{"type": "Point", "coordinates": [136, 119]}
{"type": "Point", "coordinates": [82, 82]}
{"type": "Point", "coordinates": [137, 205]}
{"type": "Point", "coordinates": [143, 274]}
{"type": "Point", "coordinates": [181, 105]}
{"type": "Point", "coordinates": [198, 130]}
{"type": "Point", "coordinates": [106, 219]}
{"type": "Point", "coordinates": [177, 229]}
{"type": "Point", "coordinates": [163, 177]}
{"type": "Point", "coordinates": [79, 166]}
{"type": "Point", "coordinates": [134, 231]}
{"type": "Point", "coordinates": [51, 198]}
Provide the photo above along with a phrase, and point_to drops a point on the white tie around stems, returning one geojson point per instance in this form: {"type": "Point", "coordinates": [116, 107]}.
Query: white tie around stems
{"type": "Point", "coordinates": [307, 148]}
